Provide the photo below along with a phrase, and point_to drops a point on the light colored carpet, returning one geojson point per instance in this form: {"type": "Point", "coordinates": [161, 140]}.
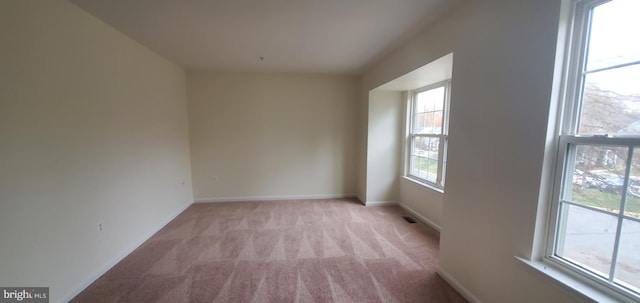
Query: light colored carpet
{"type": "Point", "coordinates": [281, 251]}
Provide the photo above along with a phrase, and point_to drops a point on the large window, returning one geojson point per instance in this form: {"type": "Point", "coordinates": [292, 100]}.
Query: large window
{"type": "Point", "coordinates": [427, 135]}
{"type": "Point", "coordinates": [595, 229]}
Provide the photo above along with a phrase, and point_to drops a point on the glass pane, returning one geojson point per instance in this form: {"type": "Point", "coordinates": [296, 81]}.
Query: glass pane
{"type": "Point", "coordinates": [598, 177]}
{"type": "Point", "coordinates": [428, 123]}
{"type": "Point", "coordinates": [424, 158]}
{"type": "Point", "coordinates": [430, 100]}
{"type": "Point", "coordinates": [429, 111]}
{"type": "Point", "coordinates": [431, 168]}
{"type": "Point", "coordinates": [628, 265]}
{"type": "Point", "coordinates": [611, 102]}
{"type": "Point", "coordinates": [415, 163]}
{"type": "Point", "coordinates": [415, 159]}
{"type": "Point", "coordinates": [615, 28]}
{"type": "Point", "coordinates": [633, 195]}
{"type": "Point", "coordinates": [588, 238]}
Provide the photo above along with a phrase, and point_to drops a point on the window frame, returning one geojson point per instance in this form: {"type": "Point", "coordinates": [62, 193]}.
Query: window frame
{"type": "Point", "coordinates": [438, 185]}
{"type": "Point", "coordinates": [568, 138]}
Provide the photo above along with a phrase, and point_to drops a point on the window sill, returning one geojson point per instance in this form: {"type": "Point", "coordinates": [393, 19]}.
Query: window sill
{"type": "Point", "coordinates": [582, 290]}
{"type": "Point", "coordinates": [423, 184]}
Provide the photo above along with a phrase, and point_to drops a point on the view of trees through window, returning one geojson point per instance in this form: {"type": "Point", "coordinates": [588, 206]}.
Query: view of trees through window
{"type": "Point", "coordinates": [599, 170]}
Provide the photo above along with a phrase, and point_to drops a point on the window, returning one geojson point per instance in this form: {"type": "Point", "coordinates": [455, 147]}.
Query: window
{"type": "Point", "coordinates": [595, 227]}
{"type": "Point", "coordinates": [427, 134]}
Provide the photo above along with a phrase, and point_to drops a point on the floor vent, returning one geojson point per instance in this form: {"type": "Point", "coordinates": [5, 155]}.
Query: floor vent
{"type": "Point", "coordinates": [409, 219]}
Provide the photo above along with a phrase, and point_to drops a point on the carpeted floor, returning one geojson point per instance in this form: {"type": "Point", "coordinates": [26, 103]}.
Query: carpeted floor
{"type": "Point", "coordinates": [281, 251]}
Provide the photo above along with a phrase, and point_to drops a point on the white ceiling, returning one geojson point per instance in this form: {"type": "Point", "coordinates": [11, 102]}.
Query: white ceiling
{"type": "Point", "coordinates": [311, 36]}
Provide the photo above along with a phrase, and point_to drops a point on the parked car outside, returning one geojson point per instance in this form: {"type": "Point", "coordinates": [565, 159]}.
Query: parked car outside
{"type": "Point", "coordinates": [592, 180]}
{"type": "Point", "coordinates": [612, 185]}
{"type": "Point", "coordinates": [588, 179]}
{"type": "Point", "coordinates": [634, 188]}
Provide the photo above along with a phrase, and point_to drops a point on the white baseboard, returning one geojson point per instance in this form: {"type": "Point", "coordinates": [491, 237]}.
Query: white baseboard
{"type": "Point", "coordinates": [455, 284]}
{"type": "Point", "coordinates": [380, 203]}
{"type": "Point", "coordinates": [119, 258]}
{"type": "Point", "coordinates": [420, 217]}
{"type": "Point", "coordinates": [273, 198]}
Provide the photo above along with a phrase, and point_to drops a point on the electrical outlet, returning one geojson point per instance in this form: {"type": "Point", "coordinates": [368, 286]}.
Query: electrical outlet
{"type": "Point", "coordinates": [100, 226]}
{"type": "Point", "coordinates": [182, 183]}
{"type": "Point", "coordinates": [215, 179]}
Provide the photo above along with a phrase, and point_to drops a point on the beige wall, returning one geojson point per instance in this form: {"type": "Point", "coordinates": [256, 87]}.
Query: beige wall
{"type": "Point", "coordinates": [501, 90]}
{"type": "Point", "coordinates": [428, 203]}
{"type": "Point", "coordinates": [384, 146]}
{"type": "Point", "coordinates": [262, 136]}
{"type": "Point", "coordinates": [363, 134]}
{"type": "Point", "coordinates": [93, 127]}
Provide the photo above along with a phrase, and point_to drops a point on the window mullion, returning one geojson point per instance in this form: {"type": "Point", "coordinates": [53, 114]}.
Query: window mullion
{"type": "Point", "coordinates": [569, 160]}
{"type": "Point", "coordinates": [623, 203]}
{"type": "Point", "coordinates": [611, 67]}
{"type": "Point", "coordinates": [554, 242]}
{"type": "Point", "coordinates": [575, 91]}
{"type": "Point", "coordinates": [440, 159]}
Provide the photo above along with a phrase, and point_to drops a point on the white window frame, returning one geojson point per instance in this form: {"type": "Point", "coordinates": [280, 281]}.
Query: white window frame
{"type": "Point", "coordinates": [567, 140]}
{"type": "Point", "coordinates": [442, 147]}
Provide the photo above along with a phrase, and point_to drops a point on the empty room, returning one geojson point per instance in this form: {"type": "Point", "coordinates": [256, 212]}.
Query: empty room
{"type": "Point", "coordinates": [319, 151]}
